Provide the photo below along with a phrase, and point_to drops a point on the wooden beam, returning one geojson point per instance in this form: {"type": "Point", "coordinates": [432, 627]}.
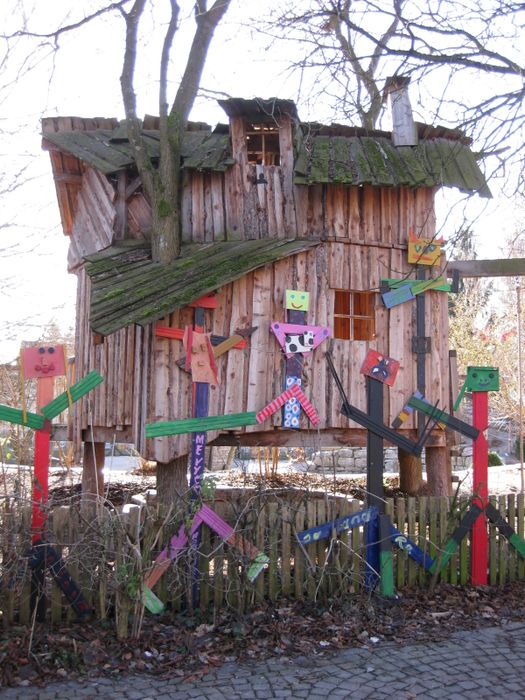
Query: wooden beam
{"type": "Point", "coordinates": [513, 267]}
{"type": "Point", "coordinates": [348, 437]}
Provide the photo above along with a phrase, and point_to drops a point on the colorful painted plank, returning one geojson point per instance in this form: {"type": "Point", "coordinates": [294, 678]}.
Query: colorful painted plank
{"type": "Point", "coordinates": [370, 424]}
{"type": "Point", "coordinates": [42, 555]}
{"type": "Point", "coordinates": [464, 527]}
{"type": "Point", "coordinates": [418, 286]}
{"type": "Point", "coordinates": [386, 560]}
{"type": "Point", "coordinates": [258, 560]}
{"type": "Point", "coordinates": [505, 529]}
{"type": "Point", "coordinates": [405, 413]}
{"type": "Point", "coordinates": [414, 552]}
{"type": "Point", "coordinates": [293, 392]}
{"type": "Point", "coordinates": [395, 297]}
{"type": "Point", "coordinates": [324, 531]}
{"type": "Point", "coordinates": [76, 392]}
{"type": "Point", "coordinates": [355, 414]}
{"type": "Point", "coordinates": [15, 415]}
{"type": "Point", "coordinates": [178, 334]}
{"type": "Point", "coordinates": [424, 406]}
{"type": "Point", "coordinates": [170, 553]}
{"type": "Point", "coordinates": [405, 290]}
{"type": "Point", "coordinates": [234, 341]}
{"type": "Point", "coordinates": [194, 425]}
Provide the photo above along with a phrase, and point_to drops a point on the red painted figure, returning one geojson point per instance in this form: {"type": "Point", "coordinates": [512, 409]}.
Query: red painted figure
{"type": "Point", "coordinates": [43, 363]}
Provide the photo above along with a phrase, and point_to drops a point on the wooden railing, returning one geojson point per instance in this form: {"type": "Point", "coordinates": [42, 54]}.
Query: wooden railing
{"type": "Point", "coordinates": [109, 555]}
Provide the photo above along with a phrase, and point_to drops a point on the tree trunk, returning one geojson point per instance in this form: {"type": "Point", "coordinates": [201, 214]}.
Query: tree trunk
{"type": "Point", "coordinates": [172, 482]}
{"type": "Point", "coordinates": [439, 476]}
{"type": "Point", "coordinates": [410, 472]}
{"type": "Point", "coordinates": [92, 476]}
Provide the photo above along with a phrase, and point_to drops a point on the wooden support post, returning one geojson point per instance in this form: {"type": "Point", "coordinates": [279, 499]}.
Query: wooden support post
{"type": "Point", "coordinates": [92, 475]}
{"type": "Point", "coordinates": [410, 472]}
{"type": "Point", "coordinates": [438, 471]}
{"type": "Point", "coordinates": [480, 459]}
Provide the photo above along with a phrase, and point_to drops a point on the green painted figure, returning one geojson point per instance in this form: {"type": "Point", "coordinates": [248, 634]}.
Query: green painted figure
{"type": "Point", "coordinates": [479, 379]}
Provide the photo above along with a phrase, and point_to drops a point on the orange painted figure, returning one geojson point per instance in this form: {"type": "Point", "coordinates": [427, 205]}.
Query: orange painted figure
{"type": "Point", "coordinates": [199, 356]}
{"type": "Point", "coordinates": [424, 251]}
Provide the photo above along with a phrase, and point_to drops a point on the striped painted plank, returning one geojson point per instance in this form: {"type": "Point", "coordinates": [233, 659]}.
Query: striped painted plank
{"type": "Point", "coordinates": [15, 415]}
{"type": "Point", "coordinates": [195, 425]}
{"type": "Point", "coordinates": [293, 392]}
{"type": "Point", "coordinates": [77, 391]}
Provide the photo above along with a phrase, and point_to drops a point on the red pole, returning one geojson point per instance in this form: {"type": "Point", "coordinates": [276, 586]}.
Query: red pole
{"type": "Point", "coordinates": [44, 394]}
{"type": "Point", "coordinates": [480, 456]}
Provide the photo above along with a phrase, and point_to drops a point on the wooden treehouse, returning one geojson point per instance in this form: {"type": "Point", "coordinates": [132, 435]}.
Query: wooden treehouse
{"type": "Point", "coordinates": [269, 204]}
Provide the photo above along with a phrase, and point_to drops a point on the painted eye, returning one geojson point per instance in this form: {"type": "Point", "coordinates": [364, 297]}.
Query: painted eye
{"type": "Point", "coordinates": [51, 350]}
{"type": "Point", "coordinates": [430, 248]}
{"type": "Point", "coordinates": [303, 297]}
{"type": "Point", "coordinates": [417, 247]}
{"type": "Point", "coordinates": [41, 350]}
{"type": "Point", "coordinates": [474, 375]}
{"type": "Point", "coordinates": [491, 375]}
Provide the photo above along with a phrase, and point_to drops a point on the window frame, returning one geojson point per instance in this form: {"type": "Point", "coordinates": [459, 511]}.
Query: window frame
{"type": "Point", "coordinates": [362, 325]}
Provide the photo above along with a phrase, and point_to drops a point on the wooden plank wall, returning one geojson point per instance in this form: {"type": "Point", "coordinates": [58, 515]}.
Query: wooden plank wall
{"type": "Point", "coordinates": [142, 382]}
{"type": "Point", "coordinates": [92, 228]}
{"type": "Point", "coordinates": [123, 360]}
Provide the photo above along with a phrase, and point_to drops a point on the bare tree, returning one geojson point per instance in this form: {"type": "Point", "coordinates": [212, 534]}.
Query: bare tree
{"type": "Point", "coordinates": [162, 184]}
{"type": "Point", "coordinates": [464, 58]}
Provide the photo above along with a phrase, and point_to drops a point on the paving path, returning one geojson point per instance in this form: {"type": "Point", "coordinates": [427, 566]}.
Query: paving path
{"type": "Point", "coordinates": [487, 663]}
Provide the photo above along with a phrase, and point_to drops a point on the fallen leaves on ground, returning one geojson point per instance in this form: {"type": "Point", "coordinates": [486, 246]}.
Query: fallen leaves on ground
{"type": "Point", "coordinates": [189, 647]}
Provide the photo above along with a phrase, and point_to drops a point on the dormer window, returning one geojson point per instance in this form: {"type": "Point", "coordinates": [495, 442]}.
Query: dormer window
{"type": "Point", "coordinates": [262, 141]}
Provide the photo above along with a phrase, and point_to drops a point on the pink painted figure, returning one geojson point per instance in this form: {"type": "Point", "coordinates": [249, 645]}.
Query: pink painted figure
{"type": "Point", "coordinates": [43, 360]}
{"type": "Point", "coordinates": [199, 356]}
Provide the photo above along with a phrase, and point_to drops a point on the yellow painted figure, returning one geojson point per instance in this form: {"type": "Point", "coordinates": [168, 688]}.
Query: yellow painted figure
{"type": "Point", "coordinates": [424, 251]}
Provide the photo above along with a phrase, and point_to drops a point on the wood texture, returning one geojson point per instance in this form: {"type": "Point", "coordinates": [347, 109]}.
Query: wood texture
{"type": "Point", "coordinates": [365, 237]}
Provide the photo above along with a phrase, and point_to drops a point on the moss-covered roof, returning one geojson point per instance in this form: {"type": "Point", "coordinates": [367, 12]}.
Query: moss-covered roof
{"type": "Point", "coordinates": [108, 151]}
{"type": "Point", "coordinates": [374, 160]}
{"type": "Point", "coordinates": [127, 287]}
{"type": "Point", "coordinates": [323, 154]}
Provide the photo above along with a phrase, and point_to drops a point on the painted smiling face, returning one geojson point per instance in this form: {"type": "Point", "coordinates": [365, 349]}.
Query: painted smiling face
{"type": "Point", "coordinates": [297, 301]}
{"type": "Point", "coordinates": [43, 361]}
{"type": "Point", "coordinates": [482, 379]}
{"type": "Point", "coordinates": [424, 251]}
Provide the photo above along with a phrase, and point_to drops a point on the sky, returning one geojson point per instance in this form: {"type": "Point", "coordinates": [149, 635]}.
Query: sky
{"type": "Point", "coordinates": [82, 79]}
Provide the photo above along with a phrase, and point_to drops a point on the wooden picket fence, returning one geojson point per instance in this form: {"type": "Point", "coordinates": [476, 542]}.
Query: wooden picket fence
{"type": "Point", "coordinates": [109, 555]}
